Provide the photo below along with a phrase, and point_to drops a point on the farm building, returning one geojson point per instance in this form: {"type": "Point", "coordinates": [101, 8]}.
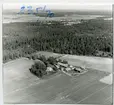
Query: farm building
{"type": "Point", "coordinates": [78, 69]}
{"type": "Point", "coordinates": [57, 66]}
{"type": "Point", "coordinates": [72, 67]}
{"type": "Point", "coordinates": [68, 69]}
{"type": "Point", "coordinates": [49, 69]}
{"type": "Point", "coordinates": [62, 65]}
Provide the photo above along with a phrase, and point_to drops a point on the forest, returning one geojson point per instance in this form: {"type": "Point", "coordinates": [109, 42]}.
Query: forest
{"type": "Point", "coordinates": [89, 37]}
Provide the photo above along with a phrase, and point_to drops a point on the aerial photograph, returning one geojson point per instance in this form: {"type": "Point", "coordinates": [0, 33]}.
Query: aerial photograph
{"type": "Point", "coordinates": [57, 54]}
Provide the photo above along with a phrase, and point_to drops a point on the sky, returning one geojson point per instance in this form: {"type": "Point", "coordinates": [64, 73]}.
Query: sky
{"type": "Point", "coordinates": [72, 6]}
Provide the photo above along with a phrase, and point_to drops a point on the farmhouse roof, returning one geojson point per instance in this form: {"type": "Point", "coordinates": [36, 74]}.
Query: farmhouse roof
{"type": "Point", "coordinates": [62, 64]}
{"type": "Point", "coordinates": [78, 68]}
{"type": "Point", "coordinates": [68, 69]}
{"type": "Point", "coordinates": [49, 69]}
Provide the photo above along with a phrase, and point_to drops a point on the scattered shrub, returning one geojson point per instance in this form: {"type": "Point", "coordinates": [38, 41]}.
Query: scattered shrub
{"type": "Point", "coordinates": [65, 62]}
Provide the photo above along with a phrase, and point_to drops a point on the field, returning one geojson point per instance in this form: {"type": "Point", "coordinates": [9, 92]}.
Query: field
{"type": "Point", "coordinates": [98, 63]}
{"type": "Point", "coordinates": [22, 87]}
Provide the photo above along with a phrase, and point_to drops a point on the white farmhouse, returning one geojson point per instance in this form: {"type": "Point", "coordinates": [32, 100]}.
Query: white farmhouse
{"type": "Point", "coordinates": [49, 69]}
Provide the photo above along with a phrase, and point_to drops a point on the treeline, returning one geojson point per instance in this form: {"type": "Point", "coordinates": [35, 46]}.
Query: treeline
{"type": "Point", "coordinates": [86, 38]}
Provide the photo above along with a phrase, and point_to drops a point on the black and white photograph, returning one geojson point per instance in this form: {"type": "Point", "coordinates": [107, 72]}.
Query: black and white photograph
{"type": "Point", "coordinates": [57, 53]}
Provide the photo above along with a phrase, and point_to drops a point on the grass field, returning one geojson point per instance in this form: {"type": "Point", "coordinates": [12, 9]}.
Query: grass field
{"type": "Point", "coordinates": [22, 87]}
{"type": "Point", "coordinates": [98, 63]}
{"type": "Point", "coordinates": [48, 54]}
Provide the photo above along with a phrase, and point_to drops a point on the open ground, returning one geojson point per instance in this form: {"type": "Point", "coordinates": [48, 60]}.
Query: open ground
{"type": "Point", "coordinates": [22, 87]}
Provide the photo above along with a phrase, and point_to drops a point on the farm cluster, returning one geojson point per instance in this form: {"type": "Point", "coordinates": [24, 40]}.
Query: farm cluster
{"type": "Point", "coordinates": [70, 70]}
{"type": "Point", "coordinates": [46, 66]}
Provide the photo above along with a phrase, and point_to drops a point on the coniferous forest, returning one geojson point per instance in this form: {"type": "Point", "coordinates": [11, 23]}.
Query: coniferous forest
{"type": "Point", "coordinates": [89, 37]}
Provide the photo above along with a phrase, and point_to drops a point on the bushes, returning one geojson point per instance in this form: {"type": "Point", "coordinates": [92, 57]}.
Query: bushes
{"type": "Point", "coordinates": [41, 64]}
{"type": "Point", "coordinates": [46, 61]}
{"type": "Point", "coordinates": [52, 60]}
{"type": "Point", "coordinates": [65, 62]}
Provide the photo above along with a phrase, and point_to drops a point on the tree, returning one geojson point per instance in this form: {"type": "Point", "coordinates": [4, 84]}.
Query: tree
{"type": "Point", "coordinates": [39, 68]}
{"type": "Point", "coordinates": [43, 59]}
{"type": "Point", "coordinates": [78, 39]}
{"type": "Point", "coordinates": [52, 60]}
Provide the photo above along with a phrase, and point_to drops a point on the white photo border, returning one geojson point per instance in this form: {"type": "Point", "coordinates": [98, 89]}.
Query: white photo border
{"type": "Point", "coordinates": [90, 2]}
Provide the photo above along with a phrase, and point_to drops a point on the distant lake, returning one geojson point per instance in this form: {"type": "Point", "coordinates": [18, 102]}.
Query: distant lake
{"type": "Point", "coordinates": [8, 18]}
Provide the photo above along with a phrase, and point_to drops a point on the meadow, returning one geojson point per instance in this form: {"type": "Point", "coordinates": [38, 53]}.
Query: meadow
{"type": "Point", "coordinates": [20, 86]}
